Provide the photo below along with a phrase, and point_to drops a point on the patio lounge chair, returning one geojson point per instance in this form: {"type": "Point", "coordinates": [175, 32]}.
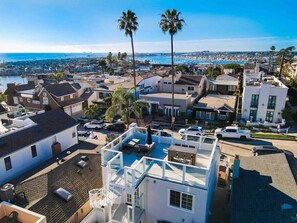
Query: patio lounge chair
{"type": "Point", "coordinates": [129, 147]}
{"type": "Point", "coordinates": [145, 150]}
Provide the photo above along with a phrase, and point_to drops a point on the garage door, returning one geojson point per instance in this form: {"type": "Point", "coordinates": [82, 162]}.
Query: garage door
{"type": "Point", "coordinates": [67, 111]}
{"type": "Point", "coordinates": [76, 108]}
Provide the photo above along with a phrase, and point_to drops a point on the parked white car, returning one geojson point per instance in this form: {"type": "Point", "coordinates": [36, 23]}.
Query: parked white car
{"type": "Point", "coordinates": [193, 130]}
{"type": "Point", "coordinates": [233, 132]}
{"type": "Point", "coordinates": [94, 125]}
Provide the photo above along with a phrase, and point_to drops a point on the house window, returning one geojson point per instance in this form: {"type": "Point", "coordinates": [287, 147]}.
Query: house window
{"type": "Point", "coordinates": [7, 162]}
{"type": "Point", "coordinates": [71, 96]}
{"type": "Point", "coordinates": [129, 196]}
{"type": "Point", "coordinates": [253, 115]}
{"type": "Point", "coordinates": [271, 102]}
{"type": "Point", "coordinates": [165, 82]}
{"type": "Point", "coordinates": [254, 101]}
{"type": "Point", "coordinates": [212, 87]}
{"type": "Point", "coordinates": [21, 99]}
{"type": "Point", "coordinates": [73, 134]}
{"type": "Point", "coordinates": [33, 151]}
{"type": "Point", "coordinates": [200, 114]}
{"type": "Point", "coordinates": [62, 98]}
{"type": "Point", "coordinates": [190, 88]}
{"type": "Point", "coordinates": [209, 115]}
{"type": "Point", "coordinates": [45, 100]}
{"type": "Point", "coordinates": [231, 88]}
{"type": "Point", "coordinates": [269, 116]}
{"type": "Point", "coordinates": [181, 200]}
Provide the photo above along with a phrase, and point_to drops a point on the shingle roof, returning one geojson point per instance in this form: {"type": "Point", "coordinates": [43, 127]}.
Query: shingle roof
{"type": "Point", "coordinates": [25, 87]}
{"type": "Point", "coordinates": [70, 101]}
{"type": "Point", "coordinates": [189, 79]}
{"type": "Point", "coordinates": [59, 90]}
{"type": "Point", "coordinates": [48, 123]}
{"type": "Point", "coordinates": [40, 189]}
{"type": "Point", "coordinates": [265, 184]}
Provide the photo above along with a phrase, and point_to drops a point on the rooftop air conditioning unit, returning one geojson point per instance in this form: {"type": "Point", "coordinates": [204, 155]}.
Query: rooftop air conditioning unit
{"type": "Point", "coordinates": [7, 192]}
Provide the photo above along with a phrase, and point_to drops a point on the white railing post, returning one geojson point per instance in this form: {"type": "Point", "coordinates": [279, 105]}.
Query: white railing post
{"type": "Point", "coordinates": [125, 175]}
{"type": "Point", "coordinates": [143, 165]}
{"type": "Point", "coordinates": [133, 177]}
{"type": "Point", "coordinates": [159, 136]}
{"type": "Point", "coordinates": [122, 160]}
{"type": "Point", "coordinates": [186, 139]}
{"type": "Point", "coordinates": [184, 173]}
{"type": "Point", "coordinates": [163, 169]}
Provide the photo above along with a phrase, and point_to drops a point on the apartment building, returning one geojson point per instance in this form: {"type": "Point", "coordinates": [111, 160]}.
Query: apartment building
{"type": "Point", "coordinates": [263, 98]}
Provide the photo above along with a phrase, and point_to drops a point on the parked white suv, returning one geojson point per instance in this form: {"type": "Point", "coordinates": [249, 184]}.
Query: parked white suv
{"type": "Point", "coordinates": [94, 125]}
{"type": "Point", "coordinates": [193, 130]}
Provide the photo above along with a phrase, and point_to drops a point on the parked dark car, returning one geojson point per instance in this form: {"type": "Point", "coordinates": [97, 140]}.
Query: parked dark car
{"type": "Point", "coordinates": [266, 150]}
{"type": "Point", "coordinates": [116, 127]}
{"type": "Point", "coordinates": [116, 118]}
{"type": "Point", "coordinates": [83, 119]}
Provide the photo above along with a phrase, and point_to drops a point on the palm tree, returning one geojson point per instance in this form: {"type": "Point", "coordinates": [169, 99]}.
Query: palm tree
{"type": "Point", "coordinates": [128, 23]}
{"type": "Point", "coordinates": [124, 104]}
{"type": "Point", "coordinates": [58, 76]}
{"type": "Point", "coordinates": [23, 77]}
{"type": "Point", "coordinates": [172, 23]}
{"type": "Point", "coordinates": [272, 49]}
{"type": "Point", "coordinates": [92, 111]}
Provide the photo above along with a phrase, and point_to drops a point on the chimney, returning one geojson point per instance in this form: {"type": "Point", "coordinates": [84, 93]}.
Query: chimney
{"type": "Point", "coordinates": [236, 166]}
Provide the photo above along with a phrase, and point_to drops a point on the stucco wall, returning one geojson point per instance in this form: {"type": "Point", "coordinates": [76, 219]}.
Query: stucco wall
{"type": "Point", "coordinates": [22, 159]}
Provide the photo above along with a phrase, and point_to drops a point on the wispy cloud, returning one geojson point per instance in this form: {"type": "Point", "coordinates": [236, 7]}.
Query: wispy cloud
{"type": "Point", "coordinates": [227, 44]}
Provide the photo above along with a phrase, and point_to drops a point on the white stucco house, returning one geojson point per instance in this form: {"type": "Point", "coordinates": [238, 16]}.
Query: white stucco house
{"type": "Point", "coordinates": [263, 98]}
{"type": "Point", "coordinates": [174, 181]}
{"type": "Point", "coordinates": [34, 139]}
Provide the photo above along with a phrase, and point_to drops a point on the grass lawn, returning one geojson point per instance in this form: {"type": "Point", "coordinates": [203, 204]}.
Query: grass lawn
{"type": "Point", "coordinates": [272, 136]}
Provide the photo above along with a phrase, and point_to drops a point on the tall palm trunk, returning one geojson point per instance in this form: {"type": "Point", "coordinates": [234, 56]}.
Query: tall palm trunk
{"type": "Point", "coordinates": [133, 58]}
{"type": "Point", "coordinates": [173, 74]}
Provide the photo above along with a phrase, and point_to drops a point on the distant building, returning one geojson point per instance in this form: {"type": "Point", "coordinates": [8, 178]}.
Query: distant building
{"type": "Point", "coordinates": [215, 107]}
{"type": "Point", "coordinates": [34, 139]}
{"type": "Point", "coordinates": [53, 96]}
{"type": "Point", "coordinates": [263, 98]}
{"type": "Point", "coordinates": [224, 84]}
{"type": "Point", "coordinates": [265, 190]}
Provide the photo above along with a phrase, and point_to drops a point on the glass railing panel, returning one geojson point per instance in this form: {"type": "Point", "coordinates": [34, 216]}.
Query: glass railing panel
{"type": "Point", "coordinates": [154, 168]}
{"type": "Point", "coordinates": [195, 176]}
{"type": "Point", "coordinates": [115, 164]}
{"type": "Point", "coordinates": [174, 172]}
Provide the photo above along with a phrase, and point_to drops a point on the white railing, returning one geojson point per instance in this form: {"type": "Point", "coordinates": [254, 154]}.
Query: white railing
{"type": "Point", "coordinates": [183, 173]}
{"type": "Point", "coordinates": [100, 197]}
{"type": "Point", "coordinates": [112, 158]}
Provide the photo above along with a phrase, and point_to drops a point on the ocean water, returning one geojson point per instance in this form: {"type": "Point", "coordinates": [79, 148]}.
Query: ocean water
{"type": "Point", "coordinates": [153, 58]}
{"type": "Point", "coordinates": [13, 57]}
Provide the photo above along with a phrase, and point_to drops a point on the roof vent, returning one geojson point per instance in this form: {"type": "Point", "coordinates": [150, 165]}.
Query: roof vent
{"type": "Point", "coordinates": [82, 164]}
{"type": "Point", "coordinates": [63, 194]}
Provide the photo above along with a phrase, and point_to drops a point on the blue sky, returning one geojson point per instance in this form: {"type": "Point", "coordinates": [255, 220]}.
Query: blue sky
{"type": "Point", "coordinates": [91, 25]}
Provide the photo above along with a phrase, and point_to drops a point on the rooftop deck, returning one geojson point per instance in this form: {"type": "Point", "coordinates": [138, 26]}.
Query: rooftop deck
{"type": "Point", "coordinates": [129, 169]}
